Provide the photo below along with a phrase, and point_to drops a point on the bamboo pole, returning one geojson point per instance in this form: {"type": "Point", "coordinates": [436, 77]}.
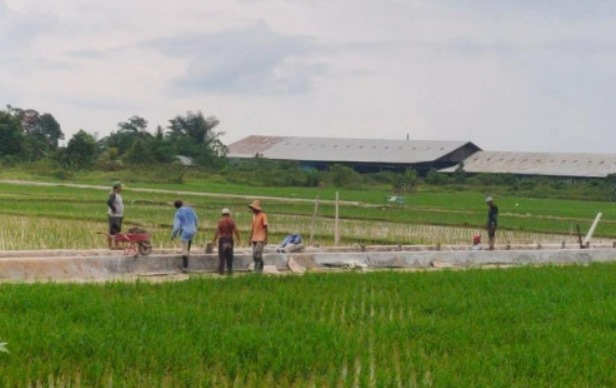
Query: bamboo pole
{"type": "Point", "coordinates": [314, 219]}
{"type": "Point", "coordinates": [336, 223]}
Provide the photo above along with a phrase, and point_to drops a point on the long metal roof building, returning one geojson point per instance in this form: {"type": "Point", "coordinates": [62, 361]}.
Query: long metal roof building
{"type": "Point", "coordinates": [362, 154]}
{"type": "Point", "coordinates": [578, 165]}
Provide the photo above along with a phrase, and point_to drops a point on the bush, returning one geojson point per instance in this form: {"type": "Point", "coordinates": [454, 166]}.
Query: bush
{"type": "Point", "coordinates": [505, 179]}
{"type": "Point", "coordinates": [528, 184]}
{"type": "Point", "coordinates": [433, 177]}
{"type": "Point", "coordinates": [405, 182]}
{"type": "Point", "coordinates": [487, 179]}
{"type": "Point", "coordinates": [343, 176]}
{"type": "Point", "coordinates": [63, 174]}
{"type": "Point", "coordinates": [379, 178]}
{"type": "Point", "coordinates": [312, 177]}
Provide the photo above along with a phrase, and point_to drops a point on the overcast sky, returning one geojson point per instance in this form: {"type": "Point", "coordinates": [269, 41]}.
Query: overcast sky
{"type": "Point", "coordinates": [523, 75]}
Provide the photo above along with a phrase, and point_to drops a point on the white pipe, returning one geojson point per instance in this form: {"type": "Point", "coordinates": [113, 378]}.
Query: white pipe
{"type": "Point", "coordinates": [592, 229]}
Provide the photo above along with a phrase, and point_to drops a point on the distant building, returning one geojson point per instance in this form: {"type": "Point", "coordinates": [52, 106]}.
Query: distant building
{"type": "Point", "coordinates": [573, 165]}
{"type": "Point", "coordinates": [363, 155]}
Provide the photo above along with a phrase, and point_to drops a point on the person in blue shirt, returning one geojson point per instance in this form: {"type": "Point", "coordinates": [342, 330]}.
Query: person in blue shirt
{"type": "Point", "coordinates": [185, 225]}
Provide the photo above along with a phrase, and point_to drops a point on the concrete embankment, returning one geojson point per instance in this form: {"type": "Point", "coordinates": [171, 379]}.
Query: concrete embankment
{"type": "Point", "coordinates": [102, 265]}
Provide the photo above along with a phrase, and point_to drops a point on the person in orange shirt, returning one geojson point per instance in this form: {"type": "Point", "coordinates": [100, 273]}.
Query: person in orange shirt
{"type": "Point", "coordinates": [258, 234]}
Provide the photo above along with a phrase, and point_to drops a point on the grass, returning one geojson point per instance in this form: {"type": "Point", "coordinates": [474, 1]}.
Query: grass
{"type": "Point", "coordinates": [429, 216]}
{"type": "Point", "coordinates": [550, 326]}
{"type": "Point", "coordinates": [521, 327]}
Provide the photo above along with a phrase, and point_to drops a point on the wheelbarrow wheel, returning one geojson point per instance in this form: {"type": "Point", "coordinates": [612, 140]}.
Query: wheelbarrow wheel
{"type": "Point", "coordinates": [145, 247]}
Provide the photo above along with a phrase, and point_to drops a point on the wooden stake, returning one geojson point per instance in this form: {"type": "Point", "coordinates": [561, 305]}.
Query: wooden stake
{"type": "Point", "coordinates": [314, 219]}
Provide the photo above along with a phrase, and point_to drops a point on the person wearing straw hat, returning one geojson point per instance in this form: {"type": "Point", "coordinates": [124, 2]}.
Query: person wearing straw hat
{"type": "Point", "coordinates": [115, 213]}
{"type": "Point", "coordinates": [185, 225]}
{"type": "Point", "coordinates": [225, 230]}
{"type": "Point", "coordinates": [492, 223]}
{"type": "Point", "coordinates": [258, 234]}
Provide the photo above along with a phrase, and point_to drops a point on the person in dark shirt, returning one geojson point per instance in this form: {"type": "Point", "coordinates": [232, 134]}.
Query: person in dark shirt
{"type": "Point", "coordinates": [115, 214]}
{"type": "Point", "coordinates": [492, 223]}
{"type": "Point", "coordinates": [225, 231]}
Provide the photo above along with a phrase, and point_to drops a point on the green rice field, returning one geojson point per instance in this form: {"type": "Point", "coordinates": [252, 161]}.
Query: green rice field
{"type": "Point", "coordinates": [539, 327]}
{"type": "Point", "coordinates": [68, 216]}
{"type": "Point", "coordinates": [548, 326]}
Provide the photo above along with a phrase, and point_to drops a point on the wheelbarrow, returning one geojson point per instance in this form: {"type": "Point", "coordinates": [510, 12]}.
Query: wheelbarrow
{"type": "Point", "coordinates": [134, 243]}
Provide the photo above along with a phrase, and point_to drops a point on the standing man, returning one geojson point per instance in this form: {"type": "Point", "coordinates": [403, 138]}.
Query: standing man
{"type": "Point", "coordinates": [185, 224]}
{"type": "Point", "coordinates": [258, 234]}
{"type": "Point", "coordinates": [225, 230]}
{"type": "Point", "coordinates": [492, 221]}
{"type": "Point", "coordinates": [115, 214]}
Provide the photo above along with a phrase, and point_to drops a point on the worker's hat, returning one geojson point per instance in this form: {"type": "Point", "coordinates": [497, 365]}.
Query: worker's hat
{"type": "Point", "coordinates": [225, 211]}
{"type": "Point", "coordinates": [256, 205]}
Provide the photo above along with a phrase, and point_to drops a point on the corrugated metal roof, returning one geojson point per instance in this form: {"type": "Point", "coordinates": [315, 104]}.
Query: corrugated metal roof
{"type": "Point", "coordinates": [250, 146]}
{"type": "Point", "coordinates": [540, 163]}
{"type": "Point", "coordinates": [343, 150]}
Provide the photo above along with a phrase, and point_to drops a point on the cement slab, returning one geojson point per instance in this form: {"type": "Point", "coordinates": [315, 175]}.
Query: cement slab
{"type": "Point", "coordinates": [101, 266]}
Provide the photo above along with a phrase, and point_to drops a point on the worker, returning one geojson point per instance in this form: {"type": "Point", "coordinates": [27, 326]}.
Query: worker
{"type": "Point", "coordinates": [115, 214]}
{"type": "Point", "coordinates": [258, 234]}
{"type": "Point", "coordinates": [185, 224]}
{"type": "Point", "coordinates": [225, 231]}
{"type": "Point", "coordinates": [492, 222]}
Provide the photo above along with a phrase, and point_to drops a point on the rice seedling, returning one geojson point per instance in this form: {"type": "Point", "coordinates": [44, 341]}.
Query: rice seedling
{"type": "Point", "coordinates": [525, 326]}
{"type": "Point", "coordinates": [25, 232]}
{"type": "Point", "coordinates": [64, 217]}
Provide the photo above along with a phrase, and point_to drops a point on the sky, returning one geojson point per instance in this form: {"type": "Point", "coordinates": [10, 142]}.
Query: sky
{"type": "Point", "coordinates": [524, 75]}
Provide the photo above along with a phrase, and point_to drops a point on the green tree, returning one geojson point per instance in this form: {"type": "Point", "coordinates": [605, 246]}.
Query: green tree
{"type": "Point", "coordinates": [140, 153]}
{"type": "Point", "coordinates": [129, 132]}
{"type": "Point", "coordinates": [42, 132]}
{"type": "Point", "coordinates": [12, 139]}
{"type": "Point", "coordinates": [81, 151]}
{"type": "Point", "coordinates": [193, 135]}
{"type": "Point", "coordinates": [109, 159]}
{"type": "Point", "coordinates": [162, 150]}
{"type": "Point", "coordinates": [46, 131]}
{"type": "Point", "coordinates": [134, 124]}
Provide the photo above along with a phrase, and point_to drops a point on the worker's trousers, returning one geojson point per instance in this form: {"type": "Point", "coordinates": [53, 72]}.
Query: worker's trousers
{"type": "Point", "coordinates": [225, 255]}
{"type": "Point", "coordinates": [257, 255]}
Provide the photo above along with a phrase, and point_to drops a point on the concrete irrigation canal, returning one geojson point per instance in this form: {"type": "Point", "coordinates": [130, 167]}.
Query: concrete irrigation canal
{"type": "Point", "coordinates": [105, 265]}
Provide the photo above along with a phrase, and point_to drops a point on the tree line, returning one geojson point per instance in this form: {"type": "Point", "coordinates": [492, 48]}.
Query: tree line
{"type": "Point", "coordinates": [28, 136]}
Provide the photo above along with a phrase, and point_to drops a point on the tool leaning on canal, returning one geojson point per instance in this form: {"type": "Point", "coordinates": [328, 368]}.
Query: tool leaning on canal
{"type": "Point", "coordinates": [135, 242]}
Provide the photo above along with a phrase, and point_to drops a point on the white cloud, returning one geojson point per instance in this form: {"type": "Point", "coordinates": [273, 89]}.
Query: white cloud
{"type": "Point", "coordinates": [524, 75]}
{"type": "Point", "coordinates": [253, 59]}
